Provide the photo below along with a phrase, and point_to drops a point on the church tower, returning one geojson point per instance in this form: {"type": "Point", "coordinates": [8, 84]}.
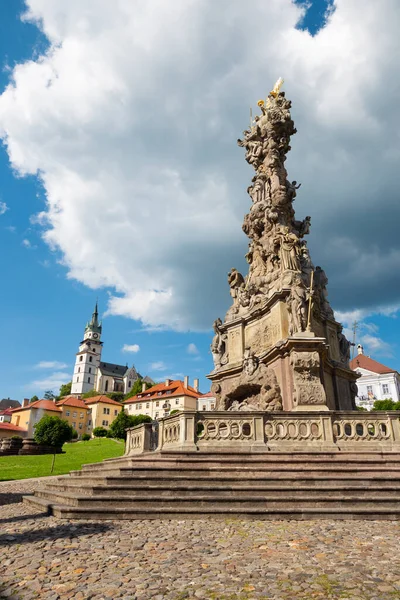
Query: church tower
{"type": "Point", "coordinates": [88, 357]}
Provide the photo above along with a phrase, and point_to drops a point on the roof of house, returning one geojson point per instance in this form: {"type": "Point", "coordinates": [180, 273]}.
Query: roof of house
{"type": "Point", "coordinates": [113, 370]}
{"type": "Point", "coordinates": [8, 411]}
{"type": "Point", "coordinates": [208, 395]}
{"type": "Point", "coordinates": [11, 427]}
{"type": "Point", "coordinates": [42, 404]}
{"type": "Point", "coordinates": [103, 399]}
{"type": "Point", "coordinates": [72, 401]}
{"type": "Point", "coordinates": [365, 362]}
{"type": "Point", "coordinates": [7, 403]}
{"type": "Point", "coordinates": [161, 391]}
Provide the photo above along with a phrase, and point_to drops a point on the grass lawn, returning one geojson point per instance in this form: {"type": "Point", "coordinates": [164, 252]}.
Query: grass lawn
{"type": "Point", "coordinates": [76, 455]}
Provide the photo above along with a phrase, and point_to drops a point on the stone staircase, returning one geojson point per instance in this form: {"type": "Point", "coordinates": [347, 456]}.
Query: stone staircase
{"type": "Point", "coordinates": [168, 485]}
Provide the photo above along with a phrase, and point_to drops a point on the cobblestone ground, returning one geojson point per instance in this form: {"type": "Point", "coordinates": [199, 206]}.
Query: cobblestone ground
{"type": "Point", "coordinates": [42, 557]}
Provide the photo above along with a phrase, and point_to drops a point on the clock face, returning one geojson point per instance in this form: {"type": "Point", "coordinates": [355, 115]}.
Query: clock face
{"type": "Point", "coordinates": [95, 336]}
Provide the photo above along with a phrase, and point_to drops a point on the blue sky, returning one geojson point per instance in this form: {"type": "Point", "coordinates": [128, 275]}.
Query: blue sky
{"type": "Point", "coordinates": [43, 307]}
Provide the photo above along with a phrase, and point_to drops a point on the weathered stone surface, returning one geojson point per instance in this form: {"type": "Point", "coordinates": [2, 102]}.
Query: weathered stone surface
{"type": "Point", "coordinates": [225, 560]}
{"type": "Point", "coordinates": [283, 296]}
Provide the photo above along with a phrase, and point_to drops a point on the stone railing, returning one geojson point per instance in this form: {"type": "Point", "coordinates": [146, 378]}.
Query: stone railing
{"type": "Point", "coordinates": [279, 431]}
{"type": "Point", "coordinates": [138, 439]}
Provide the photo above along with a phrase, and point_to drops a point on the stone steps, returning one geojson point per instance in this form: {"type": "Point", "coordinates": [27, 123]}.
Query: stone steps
{"type": "Point", "coordinates": [295, 486]}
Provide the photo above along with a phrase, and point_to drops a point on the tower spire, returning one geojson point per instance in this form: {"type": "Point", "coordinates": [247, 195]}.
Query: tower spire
{"type": "Point", "coordinates": [94, 324]}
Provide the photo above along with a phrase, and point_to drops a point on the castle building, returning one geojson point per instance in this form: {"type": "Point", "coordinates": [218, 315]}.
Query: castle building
{"type": "Point", "coordinates": [377, 381]}
{"type": "Point", "coordinates": [91, 373]}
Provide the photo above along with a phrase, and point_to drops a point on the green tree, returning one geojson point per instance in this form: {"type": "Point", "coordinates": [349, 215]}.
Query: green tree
{"type": "Point", "coordinates": [65, 389]}
{"type": "Point", "coordinates": [85, 437]}
{"type": "Point", "coordinates": [173, 412]}
{"type": "Point", "coordinates": [34, 399]}
{"type": "Point", "coordinates": [53, 432]}
{"type": "Point", "coordinates": [137, 388]}
{"type": "Point", "coordinates": [123, 421]}
{"type": "Point", "coordinates": [117, 396]}
{"type": "Point", "coordinates": [387, 404]}
{"type": "Point", "coordinates": [49, 395]}
{"type": "Point", "coordinates": [99, 432]}
{"type": "Point", "coordinates": [90, 394]}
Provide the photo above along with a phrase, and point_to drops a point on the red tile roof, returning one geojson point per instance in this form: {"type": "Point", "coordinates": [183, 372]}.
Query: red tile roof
{"type": "Point", "coordinates": [10, 427]}
{"type": "Point", "coordinates": [103, 399]}
{"type": "Point", "coordinates": [208, 395]}
{"type": "Point", "coordinates": [7, 411]}
{"type": "Point", "coordinates": [365, 362]}
{"type": "Point", "coordinates": [43, 404]}
{"type": "Point", "coordinates": [72, 401]}
{"type": "Point", "coordinates": [159, 391]}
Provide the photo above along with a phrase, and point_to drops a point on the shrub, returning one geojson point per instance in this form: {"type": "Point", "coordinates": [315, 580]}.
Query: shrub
{"type": "Point", "coordinates": [388, 404]}
{"type": "Point", "coordinates": [52, 431]}
{"type": "Point", "coordinates": [123, 421]}
{"type": "Point", "coordinates": [99, 432]}
{"type": "Point", "coordinates": [75, 435]}
{"type": "Point", "coordinates": [117, 396]}
{"type": "Point", "coordinates": [90, 394]}
{"type": "Point", "coordinates": [85, 437]}
{"type": "Point", "coordinates": [173, 412]}
{"type": "Point", "coordinates": [16, 437]}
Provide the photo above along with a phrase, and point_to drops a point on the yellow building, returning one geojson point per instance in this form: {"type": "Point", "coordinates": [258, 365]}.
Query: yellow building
{"type": "Point", "coordinates": [102, 412]}
{"type": "Point", "coordinates": [75, 411]}
{"type": "Point", "coordinates": [29, 414]}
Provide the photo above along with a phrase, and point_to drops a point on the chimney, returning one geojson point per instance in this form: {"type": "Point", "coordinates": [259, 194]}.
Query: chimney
{"type": "Point", "coordinates": [186, 381]}
{"type": "Point", "coordinates": [196, 384]}
{"type": "Point", "coordinates": [360, 349]}
{"type": "Point", "coordinates": [143, 386]}
{"type": "Point", "coordinates": [25, 402]}
{"type": "Point", "coordinates": [167, 382]}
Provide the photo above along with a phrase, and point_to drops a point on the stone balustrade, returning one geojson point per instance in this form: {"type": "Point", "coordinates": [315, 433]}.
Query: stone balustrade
{"type": "Point", "coordinates": [278, 431]}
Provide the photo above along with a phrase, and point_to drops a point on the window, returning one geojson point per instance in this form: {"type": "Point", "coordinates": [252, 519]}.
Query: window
{"type": "Point", "coordinates": [159, 393]}
{"type": "Point", "coordinates": [369, 389]}
{"type": "Point", "coordinates": [73, 424]}
{"type": "Point", "coordinates": [106, 386]}
{"type": "Point", "coordinates": [204, 407]}
{"type": "Point", "coordinates": [81, 358]}
{"type": "Point", "coordinates": [385, 388]}
{"type": "Point", "coordinates": [129, 384]}
{"type": "Point", "coordinates": [147, 404]}
{"type": "Point", "coordinates": [74, 414]}
{"type": "Point", "coordinates": [81, 415]}
{"type": "Point", "coordinates": [80, 425]}
{"type": "Point", "coordinates": [106, 411]}
{"type": "Point", "coordinates": [90, 359]}
{"type": "Point", "coordinates": [212, 406]}
{"type": "Point", "coordinates": [67, 413]}
{"type": "Point", "coordinates": [139, 406]}
{"type": "Point", "coordinates": [115, 412]}
{"type": "Point", "coordinates": [139, 396]}
{"type": "Point", "coordinates": [158, 403]}
{"type": "Point", "coordinates": [88, 379]}
{"type": "Point", "coordinates": [89, 423]}
{"type": "Point", "coordinates": [77, 379]}
{"type": "Point", "coordinates": [168, 392]}
{"type": "Point", "coordinates": [90, 369]}
{"type": "Point", "coordinates": [79, 369]}
{"type": "Point", "coordinates": [177, 401]}
{"type": "Point", "coordinates": [105, 423]}
{"type": "Point", "coordinates": [157, 415]}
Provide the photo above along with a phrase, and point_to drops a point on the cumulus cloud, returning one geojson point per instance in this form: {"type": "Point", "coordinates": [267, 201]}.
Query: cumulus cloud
{"type": "Point", "coordinates": [51, 364]}
{"type": "Point", "coordinates": [192, 349]}
{"type": "Point", "coordinates": [28, 244]}
{"type": "Point", "coordinates": [3, 208]}
{"type": "Point", "coordinates": [375, 344]}
{"type": "Point", "coordinates": [157, 366]}
{"type": "Point", "coordinates": [130, 348]}
{"type": "Point", "coordinates": [51, 382]}
{"type": "Point", "coordinates": [131, 120]}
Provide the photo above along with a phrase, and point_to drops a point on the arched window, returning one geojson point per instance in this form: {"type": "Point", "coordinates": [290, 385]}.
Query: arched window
{"type": "Point", "coordinates": [81, 357]}
{"type": "Point", "coordinates": [106, 386]}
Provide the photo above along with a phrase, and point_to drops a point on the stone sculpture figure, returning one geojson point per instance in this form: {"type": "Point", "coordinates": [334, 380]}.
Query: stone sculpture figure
{"type": "Point", "coordinates": [321, 281]}
{"type": "Point", "coordinates": [218, 345]}
{"type": "Point", "coordinates": [288, 244]}
{"type": "Point", "coordinates": [344, 346]}
{"type": "Point", "coordinates": [297, 309]}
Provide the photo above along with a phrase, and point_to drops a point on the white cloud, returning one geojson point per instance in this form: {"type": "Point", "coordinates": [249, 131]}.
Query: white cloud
{"type": "Point", "coordinates": [192, 349]}
{"type": "Point", "coordinates": [25, 242]}
{"type": "Point", "coordinates": [51, 364]}
{"type": "Point", "coordinates": [375, 344]}
{"type": "Point", "coordinates": [3, 208]}
{"type": "Point", "coordinates": [11, 228]}
{"type": "Point", "coordinates": [51, 382]}
{"type": "Point", "coordinates": [130, 348]}
{"type": "Point", "coordinates": [133, 114]}
{"type": "Point", "coordinates": [157, 366]}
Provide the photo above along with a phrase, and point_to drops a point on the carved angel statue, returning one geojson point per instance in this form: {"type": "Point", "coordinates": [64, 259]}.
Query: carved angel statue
{"type": "Point", "coordinates": [218, 345]}
{"type": "Point", "coordinates": [235, 280]}
{"type": "Point", "coordinates": [277, 87]}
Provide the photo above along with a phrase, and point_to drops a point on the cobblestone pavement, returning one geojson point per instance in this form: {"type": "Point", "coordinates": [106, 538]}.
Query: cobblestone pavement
{"type": "Point", "coordinates": [42, 557]}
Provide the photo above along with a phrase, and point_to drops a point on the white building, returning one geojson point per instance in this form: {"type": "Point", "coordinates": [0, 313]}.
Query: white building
{"type": "Point", "coordinates": [163, 398]}
{"type": "Point", "coordinates": [90, 373]}
{"type": "Point", "coordinates": [377, 382]}
{"type": "Point", "coordinates": [206, 402]}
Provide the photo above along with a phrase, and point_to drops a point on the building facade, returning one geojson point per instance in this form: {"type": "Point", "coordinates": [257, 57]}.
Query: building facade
{"type": "Point", "coordinates": [101, 412]}
{"type": "Point", "coordinates": [29, 414]}
{"type": "Point", "coordinates": [161, 399]}
{"type": "Point", "coordinates": [91, 373]}
{"type": "Point", "coordinates": [75, 411]}
{"type": "Point", "coordinates": [206, 402]}
{"type": "Point", "coordinates": [377, 382]}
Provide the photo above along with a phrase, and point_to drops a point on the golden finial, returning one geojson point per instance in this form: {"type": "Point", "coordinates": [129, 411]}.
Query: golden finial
{"type": "Point", "coordinates": [277, 87]}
